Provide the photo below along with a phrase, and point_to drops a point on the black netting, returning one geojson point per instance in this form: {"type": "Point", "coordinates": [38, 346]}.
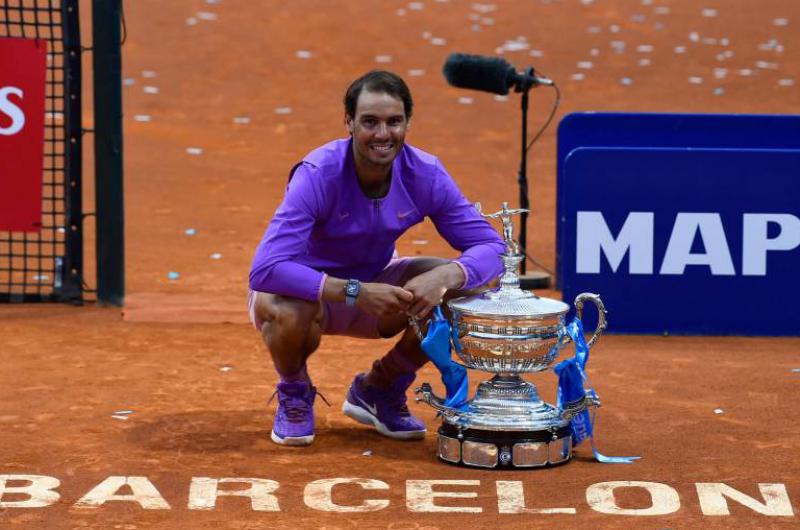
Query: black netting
{"type": "Point", "coordinates": [46, 266]}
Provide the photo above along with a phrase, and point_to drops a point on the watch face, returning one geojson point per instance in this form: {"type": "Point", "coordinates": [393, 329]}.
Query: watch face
{"type": "Point", "coordinates": [352, 288]}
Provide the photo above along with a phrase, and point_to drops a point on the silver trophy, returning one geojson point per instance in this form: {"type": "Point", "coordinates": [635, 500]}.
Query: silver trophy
{"type": "Point", "coordinates": [508, 332]}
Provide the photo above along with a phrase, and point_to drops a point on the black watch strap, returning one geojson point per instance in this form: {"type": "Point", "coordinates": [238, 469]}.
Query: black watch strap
{"type": "Point", "coordinates": [351, 290]}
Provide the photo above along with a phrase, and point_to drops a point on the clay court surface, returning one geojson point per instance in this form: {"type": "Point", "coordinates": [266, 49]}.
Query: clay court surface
{"type": "Point", "coordinates": [182, 357]}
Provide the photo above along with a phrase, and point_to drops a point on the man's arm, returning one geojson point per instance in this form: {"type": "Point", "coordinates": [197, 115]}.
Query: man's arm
{"type": "Point", "coordinates": [429, 288]}
{"type": "Point", "coordinates": [274, 269]}
{"type": "Point", "coordinates": [457, 220]}
{"type": "Point", "coordinates": [377, 299]}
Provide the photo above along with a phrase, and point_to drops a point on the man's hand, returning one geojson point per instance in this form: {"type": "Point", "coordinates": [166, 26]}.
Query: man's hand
{"type": "Point", "coordinates": [381, 299]}
{"type": "Point", "coordinates": [429, 288]}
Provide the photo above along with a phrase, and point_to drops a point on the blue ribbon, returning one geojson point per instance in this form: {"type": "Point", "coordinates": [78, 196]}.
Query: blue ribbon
{"type": "Point", "coordinates": [571, 380]}
{"type": "Point", "coordinates": [436, 346]}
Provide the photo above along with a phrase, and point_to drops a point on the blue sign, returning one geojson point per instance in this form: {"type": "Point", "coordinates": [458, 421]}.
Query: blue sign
{"type": "Point", "coordinates": [691, 241]}
{"type": "Point", "coordinates": [604, 129]}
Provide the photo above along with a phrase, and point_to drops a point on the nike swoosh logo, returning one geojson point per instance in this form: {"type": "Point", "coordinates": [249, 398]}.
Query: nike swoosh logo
{"type": "Point", "coordinates": [400, 215]}
{"type": "Point", "coordinates": [373, 409]}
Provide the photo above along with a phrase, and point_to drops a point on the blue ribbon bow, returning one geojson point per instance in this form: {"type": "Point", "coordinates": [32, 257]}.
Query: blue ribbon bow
{"type": "Point", "coordinates": [436, 346]}
{"type": "Point", "coordinates": [571, 379]}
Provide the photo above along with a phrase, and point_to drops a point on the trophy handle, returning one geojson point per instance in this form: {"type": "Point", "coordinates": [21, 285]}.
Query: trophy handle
{"type": "Point", "coordinates": [570, 410]}
{"type": "Point", "coordinates": [601, 313]}
{"type": "Point", "coordinates": [425, 394]}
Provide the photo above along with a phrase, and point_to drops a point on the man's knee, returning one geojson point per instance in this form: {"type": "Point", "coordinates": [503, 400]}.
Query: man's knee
{"type": "Point", "coordinates": [282, 313]}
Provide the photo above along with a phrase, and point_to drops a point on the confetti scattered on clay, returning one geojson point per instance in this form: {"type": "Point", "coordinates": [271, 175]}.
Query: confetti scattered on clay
{"type": "Point", "coordinates": [516, 45]}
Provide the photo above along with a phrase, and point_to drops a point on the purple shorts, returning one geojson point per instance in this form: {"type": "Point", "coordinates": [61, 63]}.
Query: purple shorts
{"type": "Point", "coordinates": [340, 319]}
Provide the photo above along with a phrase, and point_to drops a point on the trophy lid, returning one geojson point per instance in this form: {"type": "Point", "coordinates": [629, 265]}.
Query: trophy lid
{"type": "Point", "coordinates": [508, 303]}
{"type": "Point", "coordinates": [508, 300]}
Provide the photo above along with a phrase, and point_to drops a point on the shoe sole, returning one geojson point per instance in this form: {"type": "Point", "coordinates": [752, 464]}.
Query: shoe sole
{"type": "Point", "coordinates": [292, 440]}
{"type": "Point", "coordinates": [364, 416]}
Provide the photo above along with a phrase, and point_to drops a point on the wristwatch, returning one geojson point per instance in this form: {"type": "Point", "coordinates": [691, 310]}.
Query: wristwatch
{"type": "Point", "coordinates": [351, 290]}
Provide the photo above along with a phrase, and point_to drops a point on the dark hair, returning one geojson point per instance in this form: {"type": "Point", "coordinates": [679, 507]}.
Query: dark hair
{"type": "Point", "coordinates": [378, 81]}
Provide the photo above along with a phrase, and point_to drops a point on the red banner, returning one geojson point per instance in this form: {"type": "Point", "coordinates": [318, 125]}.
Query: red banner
{"type": "Point", "coordinates": [23, 67]}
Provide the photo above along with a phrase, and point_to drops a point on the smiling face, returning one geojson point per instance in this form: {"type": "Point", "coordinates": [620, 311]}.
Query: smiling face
{"type": "Point", "coordinates": [378, 130]}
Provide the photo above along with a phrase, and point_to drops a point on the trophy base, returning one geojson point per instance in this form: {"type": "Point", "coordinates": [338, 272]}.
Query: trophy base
{"type": "Point", "coordinates": [504, 449]}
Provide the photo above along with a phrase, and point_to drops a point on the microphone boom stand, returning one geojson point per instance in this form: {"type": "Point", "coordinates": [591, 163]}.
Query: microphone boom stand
{"type": "Point", "coordinates": [536, 279]}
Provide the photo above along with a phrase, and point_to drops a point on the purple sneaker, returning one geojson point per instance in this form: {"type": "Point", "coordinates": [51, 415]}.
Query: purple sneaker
{"type": "Point", "coordinates": [294, 417]}
{"type": "Point", "coordinates": [385, 410]}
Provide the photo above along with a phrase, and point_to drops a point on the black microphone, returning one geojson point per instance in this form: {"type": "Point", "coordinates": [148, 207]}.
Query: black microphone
{"type": "Point", "coordinates": [489, 74]}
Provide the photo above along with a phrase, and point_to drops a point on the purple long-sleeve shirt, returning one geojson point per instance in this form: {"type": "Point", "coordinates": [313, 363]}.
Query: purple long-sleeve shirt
{"type": "Point", "coordinates": [326, 225]}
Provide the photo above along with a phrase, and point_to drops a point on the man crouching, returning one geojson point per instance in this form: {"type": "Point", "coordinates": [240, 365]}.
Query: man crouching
{"type": "Point", "coordinates": [327, 264]}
